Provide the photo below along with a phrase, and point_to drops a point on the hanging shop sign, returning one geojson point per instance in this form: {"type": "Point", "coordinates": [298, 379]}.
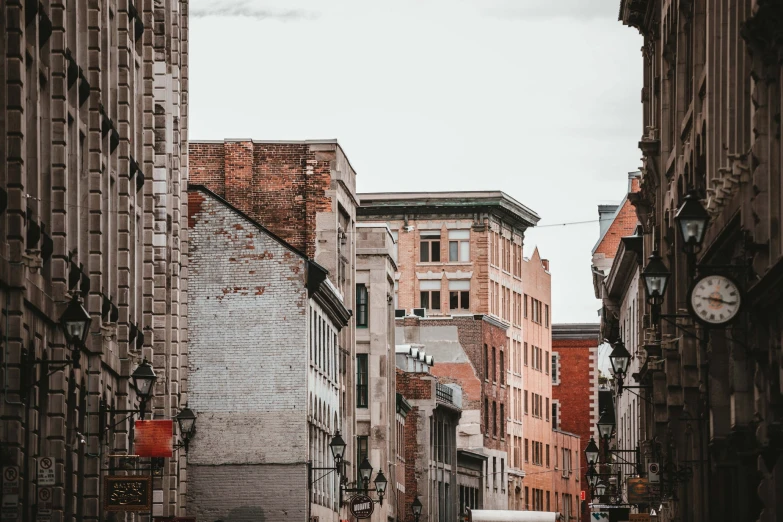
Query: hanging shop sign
{"type": "Point", "coordinates": [154, 438]}
{"type": "Point", "coordinates": [640, 491]}
{"type": "Point", "coordinates": [362, 506]}
{"type": "Point", "coordinates": [127, 493]}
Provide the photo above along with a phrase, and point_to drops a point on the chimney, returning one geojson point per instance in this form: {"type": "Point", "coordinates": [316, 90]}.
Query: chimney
{"type": "Point", "coordinates": [238, 169]}
{"type": "Point", "coordinates": [545, 262]}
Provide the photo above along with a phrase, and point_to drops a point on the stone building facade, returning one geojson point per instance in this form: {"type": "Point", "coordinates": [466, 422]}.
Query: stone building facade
{"type": "Point", "coordinates": [249, 377]}
{"type": "Point", "coordinates": [711, 104]}
{"type": "Point", "coordinates": [376, 397]}
{"type": "Point", "coordinates": [574, 377]}
{"type": "Point", "coordinates": [93, 141]}
{"type": "Point", "coordinates": [462, 253]}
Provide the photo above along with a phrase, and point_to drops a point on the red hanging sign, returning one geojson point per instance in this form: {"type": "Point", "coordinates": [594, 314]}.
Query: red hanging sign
{"type": "Point", "coordinates": [154, 438]}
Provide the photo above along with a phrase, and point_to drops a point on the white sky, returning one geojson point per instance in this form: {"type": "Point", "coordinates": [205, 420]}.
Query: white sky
{"type": "Point", "coordinates": [540, 99]}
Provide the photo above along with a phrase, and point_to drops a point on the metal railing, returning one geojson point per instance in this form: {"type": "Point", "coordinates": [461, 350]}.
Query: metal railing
{"type": "Point", "coordinates": [444, 393]}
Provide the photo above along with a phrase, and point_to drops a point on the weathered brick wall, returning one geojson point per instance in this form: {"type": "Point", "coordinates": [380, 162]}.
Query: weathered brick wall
{"type": "Point", "coordinates": [281, 185]}
{"type": "Point", "coordinates": [249, 301]}
{"type": "Point", "coordinates": [239, 493]}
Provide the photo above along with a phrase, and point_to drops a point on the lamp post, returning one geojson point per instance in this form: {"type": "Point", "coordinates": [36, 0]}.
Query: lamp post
{"type": "Point", "coordinates": [692, 220]}
{"type": "Point", "coordinates": [656, 278]}
{"type": "Point", "coordinates": [620, 358]}
{"type": "Point", "coordinates": [591, 452]}
{"type": "Point", "coordinates": [186, 420]}
{"type": "Point", "coordinates": [143, 379]}
{"type": "Point", "coordinates": [365, 472]}
{"type": "Point", "coordinates": [75, 323]}
{"type": "Point", "coordinates": [337, 447]}
{"type": "Point", "coordinates": [416, 508]}
{"type": "Point", "coordinates": [605, 428]}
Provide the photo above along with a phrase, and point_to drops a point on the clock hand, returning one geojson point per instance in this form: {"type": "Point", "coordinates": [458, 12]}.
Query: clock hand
{"type": "Point", "coordinates": [719, 300]}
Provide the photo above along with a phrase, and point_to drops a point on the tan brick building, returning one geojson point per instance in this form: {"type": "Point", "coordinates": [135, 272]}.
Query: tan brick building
{"type": "Point", "coordinates": [461, 253]}
{"type": "Point", "coordinates": [93, 141]}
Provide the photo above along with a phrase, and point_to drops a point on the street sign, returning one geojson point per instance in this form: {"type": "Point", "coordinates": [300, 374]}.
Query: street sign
{"type": "Point", "coordinates": [45, 471]}
{"type": "Point", "coordinates": [582, 495]}
{"type": "Point", "coordinates": [44, 511]}
{"type": "Point", "coordinates": [362, 506]}
{"type": "Point", "coordinates": [127, 493]}
{"type": "Point", "coordinates": [10, 508]}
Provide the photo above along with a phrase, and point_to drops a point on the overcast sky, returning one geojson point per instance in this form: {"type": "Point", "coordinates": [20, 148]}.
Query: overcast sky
{"type": "Point", "coordinates": [540, 99]}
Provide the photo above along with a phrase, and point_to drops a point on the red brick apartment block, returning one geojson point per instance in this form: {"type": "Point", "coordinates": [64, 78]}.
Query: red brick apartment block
{"type": "Point", "coordinates": [575, 386]}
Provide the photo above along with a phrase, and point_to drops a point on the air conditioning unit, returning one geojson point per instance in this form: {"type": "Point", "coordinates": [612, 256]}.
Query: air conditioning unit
{"type": "Point", "coordinates": [399, 313]}
{"type": "Point", "coordinates": [653, 472]}
{"type": "Point", "coordinates": [420, 312]}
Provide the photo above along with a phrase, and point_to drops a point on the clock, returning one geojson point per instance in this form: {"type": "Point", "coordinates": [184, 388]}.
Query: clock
{"type": "Point", "coordinates": [715, 299]}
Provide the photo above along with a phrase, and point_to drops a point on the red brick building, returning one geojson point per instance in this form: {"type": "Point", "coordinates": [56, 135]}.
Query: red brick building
{"type": "Point", "coordinates": [575, 388]}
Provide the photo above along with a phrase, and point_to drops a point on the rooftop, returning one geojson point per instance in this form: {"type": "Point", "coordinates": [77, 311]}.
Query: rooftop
{"type": "Point", "coordinates": [494, 201]}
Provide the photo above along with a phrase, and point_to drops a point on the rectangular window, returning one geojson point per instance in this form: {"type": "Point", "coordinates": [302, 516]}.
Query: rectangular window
{"type": "Point", "coordinates": [361, 306]}
{"type": "Point", "coordinates": [362, 452]}
{"type": "Point", "coordinates": [494, 365]}
{"type": "Point", "coordinates": [486, 416]}
{"type": "Point", "coordinates": [494, 418]}
{"type": "Point", "coordinates": [547, 499]}
{"type": "Point", "coordinates": [459, 245]}
{"type": "Point", "coordinates": [546, 316]}
{"type": "Point", "coordinates": [525, 354]}
{"type": "Point", "coordinates": [486, 362]}
{"type": "Point", "coordinates": [429, 295]}
{"type": "Point", "coordinates": [525, 306]}
{"type": "Point", "coordinates": [554, 415]}
{"type": "Point", "coordinates": [502, 369]}
{"type": "Point", "coordinates": [361, 380]}
{"type": "Point", "coordinates": [502, 421]}
{"type": "Point", "coordinates": [554, 368]}
{"type": "Point", "coordinates": [546, 408]}
{"type": "Point", "coordinates": [526, 410]}
{"type": "Point", "coordinates": [459, 295]}
{"type": "Point", "coordinates": [527, 452]}
{"type": "Point", "coordinates": [546, 358]}
{"type": "Point", "coordinates": [547, 457]}
{"type": "Point", "coordinates": [429, 246]}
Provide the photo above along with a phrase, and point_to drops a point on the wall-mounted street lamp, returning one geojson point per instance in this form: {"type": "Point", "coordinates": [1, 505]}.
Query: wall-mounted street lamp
{"type": "Point", "coordinates": [143, 379]}
{"type": "Point", "coordinates": [365, 472]}
{"type": "Point", "coordinates": [620, 358]}
{"type": "Point", "coordinates": [606, 425]}
{"type": "Point", "coordinates": [692, 220]}
{"type": "Point", "coordinates": [337, 447]}
{"type": "Point", "coordinates": [656, 278]}
{"type": "Point", "coordinates": [186, 420]}
{"type": "Point", "coordinates": [416, 509]}
{"type": "Point", "coordinates": [591, 452]}
{"type": "Point", "coordinates": [75, 323]}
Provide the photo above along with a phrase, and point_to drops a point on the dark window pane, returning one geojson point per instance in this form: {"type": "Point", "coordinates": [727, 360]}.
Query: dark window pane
{"type": "Point", "coordinates": [424, 250]}
{"type": "Point", "coordinates": [424, 300]}
{"type": "Point", "coordinates": [435, 251]}
{"type": "Point", "coordinates": [361, 380]}
{"type": "Point", "coordinates": [453, 300]}
{"type": "Point", "coordinates": [465, 300]}
{"type": "Point", "coordinates": [436, 299]}
{"type": "Point", "coordinates": [453, 251]}
{"type": "Point", "coordinates": [361, 305]}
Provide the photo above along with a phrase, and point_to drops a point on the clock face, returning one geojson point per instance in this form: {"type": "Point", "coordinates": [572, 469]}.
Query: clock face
{"type": "Point", "coordinates": [715, 299]}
